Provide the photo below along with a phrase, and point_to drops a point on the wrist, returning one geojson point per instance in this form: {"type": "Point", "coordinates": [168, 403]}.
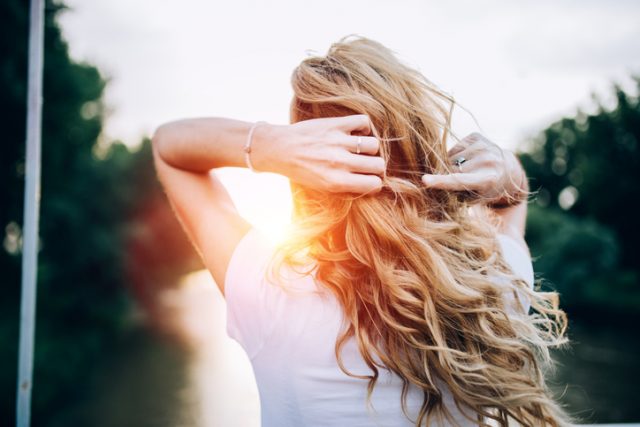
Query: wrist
{"type": "Point", "coordinates": [516, 189]}
{"type": "Point", "coordinates": [266, 153]}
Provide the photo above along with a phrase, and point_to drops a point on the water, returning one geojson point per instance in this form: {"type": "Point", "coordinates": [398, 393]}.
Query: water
{"type": "Point", "coordinates": [599, 376]}
{"type": "Point", "coordinates": [152, 382]}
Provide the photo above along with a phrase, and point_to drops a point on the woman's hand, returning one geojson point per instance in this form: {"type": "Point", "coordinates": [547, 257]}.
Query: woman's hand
{"type": "Point", "coordinates": [324, 155]}
{"type": "Point", "coordinates": [485, 170]}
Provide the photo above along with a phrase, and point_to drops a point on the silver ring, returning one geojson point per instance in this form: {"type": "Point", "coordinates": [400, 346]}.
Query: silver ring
{"type": "Point", "coordinates": [358, 145]}
{"type": "Point", "coordinates": [459, 161]}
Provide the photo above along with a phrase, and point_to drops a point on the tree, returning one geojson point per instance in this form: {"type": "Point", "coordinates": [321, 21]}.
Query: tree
{"type": "Point", "coordinates": [90, 219]}
{"type": "Point", "coordinates": [586, 170]}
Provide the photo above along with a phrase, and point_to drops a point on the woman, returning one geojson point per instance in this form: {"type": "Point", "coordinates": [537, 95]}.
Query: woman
{"type": "Point", "coordinates": [403, 295]}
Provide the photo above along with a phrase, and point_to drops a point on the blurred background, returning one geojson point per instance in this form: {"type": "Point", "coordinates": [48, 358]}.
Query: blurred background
{"type": "Point", "coordinates": [130, 330]}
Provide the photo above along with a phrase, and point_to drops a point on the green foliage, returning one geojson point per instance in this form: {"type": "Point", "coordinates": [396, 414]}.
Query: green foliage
{"type": "Point", "coordinates": [88, 223]}
{"type": "Point", "coordinates": [580, 259]}
{"type": "Point", "coordinates": [107, 232]}
{"type": "Point", "coordinates": [586, 170]}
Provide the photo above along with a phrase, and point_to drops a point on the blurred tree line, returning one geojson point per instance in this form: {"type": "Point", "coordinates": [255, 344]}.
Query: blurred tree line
{"type": "Point", "coordinates": [583, 229]}
{"type": "Point", "coordinates": [106, 231]}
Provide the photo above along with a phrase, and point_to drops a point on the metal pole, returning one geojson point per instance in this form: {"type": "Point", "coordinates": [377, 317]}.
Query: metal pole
{"type": "Point", "coordinates": [31, 214]}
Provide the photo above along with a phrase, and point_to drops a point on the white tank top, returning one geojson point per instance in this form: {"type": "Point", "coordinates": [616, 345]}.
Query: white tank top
{"type": "Point", "coordinates": [290, 339]}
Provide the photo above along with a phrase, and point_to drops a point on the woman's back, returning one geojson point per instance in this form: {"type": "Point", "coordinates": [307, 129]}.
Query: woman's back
{"type": "Point", "coordinates": [289, 333]}
{"type": "Point", "coordinates": [400, 234]}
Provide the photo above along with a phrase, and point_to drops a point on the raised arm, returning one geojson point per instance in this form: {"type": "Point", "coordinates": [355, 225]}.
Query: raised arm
{"type": "Point", "coordinates": [495, 176]}
{"type": "Point", "coordinates": [320, 153]}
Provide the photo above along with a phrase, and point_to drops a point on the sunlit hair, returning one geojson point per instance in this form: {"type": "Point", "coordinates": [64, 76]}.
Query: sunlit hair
{"type": "Point", "coordinates": [418, 273]}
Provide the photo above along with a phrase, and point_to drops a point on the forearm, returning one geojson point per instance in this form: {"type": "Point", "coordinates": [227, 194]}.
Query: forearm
{"type": "Point", "coordinates": [322, 154]}
{"type": "Point", "coordinates": [202, 144]}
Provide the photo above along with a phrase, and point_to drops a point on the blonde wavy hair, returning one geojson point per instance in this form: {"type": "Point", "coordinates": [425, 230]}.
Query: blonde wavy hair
{"type": "Point", "coordinates": [419, 274]}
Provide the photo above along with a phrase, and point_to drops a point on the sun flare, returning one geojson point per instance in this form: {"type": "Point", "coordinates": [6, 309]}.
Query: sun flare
{"type": "Point", "coordinates": [263, 199]}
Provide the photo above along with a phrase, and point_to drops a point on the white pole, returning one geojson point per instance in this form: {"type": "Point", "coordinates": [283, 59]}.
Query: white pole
{"type": "Point", "coordinates": [31, 214]}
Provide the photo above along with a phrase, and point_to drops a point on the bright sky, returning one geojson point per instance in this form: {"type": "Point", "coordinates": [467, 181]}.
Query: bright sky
{"type": "Point", "coordinates": [515, 65]}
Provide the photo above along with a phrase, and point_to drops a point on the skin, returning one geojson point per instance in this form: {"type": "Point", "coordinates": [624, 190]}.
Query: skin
{"type": "Point", "coordinates": [496, 175]}
{"type": "Point", "coordinates": [318, 153]}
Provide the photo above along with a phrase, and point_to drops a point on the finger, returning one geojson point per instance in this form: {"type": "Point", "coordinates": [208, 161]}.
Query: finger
{"type": "Point", "coordinates": [463, 144]}
{"type": "Point", "coordinates": [475, 158]}
{"type": "Point", "coordinates": [467, 163]}
{"type": "Point", "coordinates": [366, 145]}
{"type": "Point", "coordinates": [459, 147]}
{"type": "Point", "coordinates": [356, 122]}
{"type": "Point", "coordinates": [473, 152]}
{"type": "Point", "coordinates": [356, 183]}
{"type": "Point", "coordinates": [367, 164]}
{"type": "Point", "coordinates": [454, 181]}
{"type": "Point", "coordinates": [473, 137]}
{"type": "Point", "coordinates": [467, 150]}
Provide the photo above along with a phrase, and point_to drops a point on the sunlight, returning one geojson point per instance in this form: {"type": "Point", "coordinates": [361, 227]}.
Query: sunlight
{"type": "Point", "coordinates": [221, 380]}
{"type": "Point", "coordinates": [263, 199]}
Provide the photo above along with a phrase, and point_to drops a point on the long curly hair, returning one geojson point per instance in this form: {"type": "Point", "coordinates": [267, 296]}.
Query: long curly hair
{"type": "Point", "coordinates": [418, 273]}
